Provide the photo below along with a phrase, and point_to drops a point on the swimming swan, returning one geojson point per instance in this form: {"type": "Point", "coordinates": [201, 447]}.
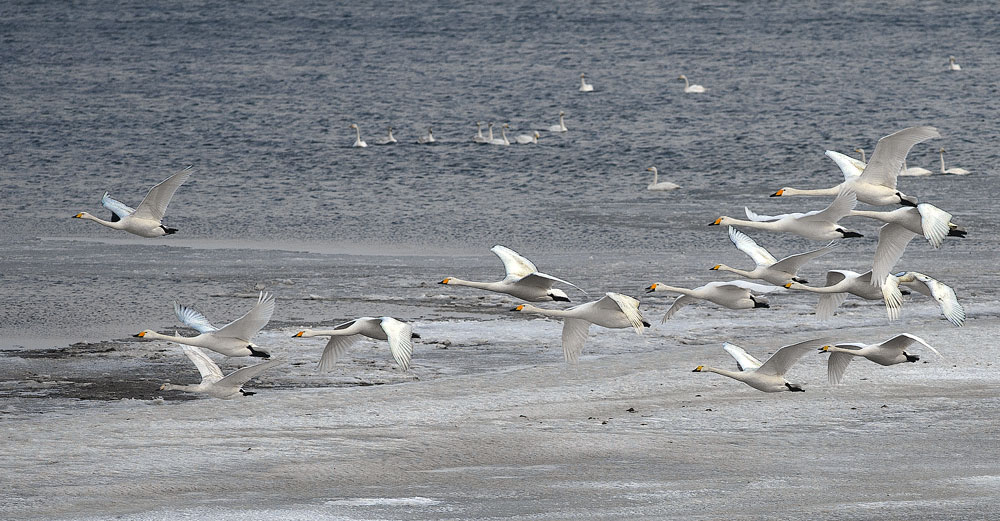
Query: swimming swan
{"type": "Point", "coordinates": [144, 220]}
{"type": "Point", "coordinates": [877, 184]}
{"type": "Point", "coordinates": [890, 352]}
{"type": "Point", "coordinates": [428, 139]}
{"type": "Point", "coordinates": [656, 185]}
{"type": "Point", "coordinates": [233, 339]}
{"type": "Point", "coordinates": [561, 127]}
{"type": "Point", "coordinates": [584, 86]}
{"type": "Point", "coordinates": [399, 334]}
{"type": "Point", "coordinates": [691, 88]}
{"type": "Point", "coordinates": [735, 294]}
{"type": "Point", "coordinates": [524, 139]}
{"type": "Point", "coordinates": [388, 140]}
{"type": "Point", "coordinates": [213, 383]}
{"type": "Point", "coordinates": [952, 66]}
{"type": "Point", "coordinates": [939, 291]}
{"type": "Point", "coordinates": [768, 268]}
{"type": "Point", "coordinates": [953, 170]}
{"type": "Point", "coordinates": [503, 141]}
{"type": "Point", "coordinates": [522, 280]}
{"type": "Point", "coordinates": [479, 138]}
{"type": "Point", "coordinates": [819, 224]}
{"type": "Point", "coordinates": [770, 375]}
{"type": "Point", "coordinates": [914, 171]}
{"type": "Point", "coordinates": [358, 142]}
{"type": "Point", "coordinates": [614, 311]}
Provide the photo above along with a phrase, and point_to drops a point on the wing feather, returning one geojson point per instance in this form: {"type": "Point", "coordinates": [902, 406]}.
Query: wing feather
{"type": "Point", "coordinates": [792, 263]}
{"type": "Point", "coordinates": [841, 207]}
{"type": "Point", "coordinates": [400, 335]}
{"type": "Point", "coordinates": [574, 335]}
{"type": "Point", "coordinates": [836, 366]}
{"type": "Point", "coordinates": [243, 375]}
{"type": "Point", "coordinates": [210, 372]}
{"type": "Point", "coordinates": [745, 244]}
{"type": "Point", "coordinates": [154, 205]}
{"type": "Point", "coordinates": [934, 223]}
{"type": "Point", "coordinates": [630, 307]}
{"type": "Point", "coordinates": [118, 208]}
{"type": "Point", "coordinates": [745, 361]}
{"type": "Point", "coordinates": [334, 350]}
{"type": "Point", "coordinates": [890, 151]}
{"type": "Point", "coordinates": [681, 301]}
{"type": "Point", "coordinates": [849, 166]}
{"type": "Point", "coordinates": [514, 264]}
{"type": "Point", "coordinates": [193, 319]}
{"type": "Point", "coordinates": [892, 241]}
{"type": "Point", "coordinates": [784, 357]}
{"type": "Point", "coordinates": [250, 324]}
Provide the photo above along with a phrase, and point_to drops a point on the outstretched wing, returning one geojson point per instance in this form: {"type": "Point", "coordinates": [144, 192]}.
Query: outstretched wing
{"type": "Point", "coordinates": [792, 263]}
{"type": "Point", "coordinates": [744, 360]}
{"type": "Point", "coordinates": [193, 319]}
{"type": "Point", "coordinates": [892, 241]}
{"type": "Point", "coordinates": [841, 207]}
{"type": "Point", "coordinates": [574, 335]}
{"type": "Point", "coordinates": [751, 215]}
{"type": "Point", "coordinates": [849, 166]}
{"type": "Point", "coordinates": [934, 223]}
{"type": "Point", "coordinates": [210, 372]}
{"type": "Point", "coordinates": [118, 208]}
{"type": "Point", "coordinates": [334, 350]}
{"type": "Point", "coordinates": [243, 375]}
{"type": "Point", "coordinates": [902, 340]}
{"type": "Point", "coordinates": [400, 336]}
{"type": "Point", "coordinates": [783, 358]}
{"type": "Point", "coordinates": [248, 325]}
{"type": "Point", "coordinates": [544, 281]}
{"type": "Point", "coordinates": [892, 296]}
{"type": "Point", "coordinates": [514, 264]}
{"type": "Point", "coordinates": [154, 205]}
{"type": "Point", "coordinates": [891, 150]}
{"type": "Point", "coordinates": [681, 301]}
{"type": "Point", "coordinates": [828, 302]}
{"type": "Point", "coordinates": [745, 244]}
{"type": "Point", "coordinates": [740, 285]}
{"type": "Point", "coordinates": [627, 305]}
{"type": "Point", "coordinates": [942, 293]}
{"type": "Point", "coordinates": [836, 366]}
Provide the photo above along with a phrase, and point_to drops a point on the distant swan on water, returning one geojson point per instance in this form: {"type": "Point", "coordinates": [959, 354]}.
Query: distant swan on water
{"type": "Point", "coordinates": [503, 140]}
{"type": "Point", "coordinates": [358, 142]}
{"type": "Point", "coordinates": [952, 170]}
{"type": "Point", "coordinates": [952, 66]}
{"type": "Point", "coordinates": [479, 137]}
{"type": "Point", "coordinates": [524, 139]}
{"type": "Point", "coordinates": [691, 88]}
{"type": "Point", "coordinates": [656, 185]}
{"type": "Point", "coordinates": [144, 220]}
{"type": "Point", "coordinates": [914, 171]}
{"type": "Point", "coordinates": [561, 127]}
{"type": "Point", "coordinates": [584, 86]}
{"type": "Point", "coordinates": [428, 139]}
{"type": "Point", "coordinates": [388, 140]}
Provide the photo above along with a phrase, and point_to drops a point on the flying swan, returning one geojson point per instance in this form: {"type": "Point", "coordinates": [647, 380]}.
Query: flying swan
{"type": "Point", "coordinates": [838, 284]}
{"type": "Point", "coordinates": [942, 293]}
{"type": "Point", "coordinates": [890, 352]}
{"type": "Point", "coordinates": [399, 334]}
{"type": "Point", "coordinates": [143, 220]}
{"type": "Point", "coordinates": [736, 294]}
{"type": "Point", "coordinates": [213, 383]}
{"type": "Point", "coordinates": [770, 375]}
{"type": "Point", "coordinates": [768, 268]}
{"type": "Point", "coordinates": [819, 224]}
{"type": "Point", "coordinates": [523, 280]}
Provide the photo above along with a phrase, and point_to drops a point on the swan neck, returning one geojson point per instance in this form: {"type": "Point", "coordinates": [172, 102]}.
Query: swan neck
{"type": "Point", "coordinates": [744, 274]}
{"type": "Point", "coordinates": [736, 375]}
{"type": "Point", "coordinates": [835, 349]}
{"type": "Point", "coordinates": [942, 161]}
{"type": "Point", "coordinates": [118, 225]}
{"type": "Point", "coordinates": [549, 312]}
{"type": "Point", "coordinates": [879, 216]}
{"type": "Point", "coordinates": [656, 175]}
{"type": "Point", "coordinates": [664, 287]}
{"type": "Point", "coordinates": [472, 283]}
{"type": "Point", "coordinates": [833, 190]}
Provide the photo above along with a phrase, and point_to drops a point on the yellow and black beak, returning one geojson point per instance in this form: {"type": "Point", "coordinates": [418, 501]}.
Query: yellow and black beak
{"type": "Point", "coordinates": [698, 369]}
{"type": "Point", "coordinates": [778, 193]}
{"type": "Point", "coordinates": [518, 308]}
{"type": "Point", "coordinates": [651, 288]}
{"type": "Point", "coordinates": [445, 281]}
{"type": "Point", "coordinates": [299, 334]}
{"type": "Point", "coordinates": [78, 216]}
{"type": "Point", "coordinates": [714, 268]}
{"type": "Point", "coordinates": [139, 334]}
{"type": "Point", "coordinates": [716, 222]}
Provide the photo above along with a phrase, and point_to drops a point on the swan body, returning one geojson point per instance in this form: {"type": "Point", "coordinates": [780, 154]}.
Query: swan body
{"type": "Point", "coordinates": [902, 225]}
{"type": "Point", "coordinates": [614, 311]}
{"type": "Point", "coordinates": [359, 143]}
{"type": "Point", "coordinates": [428, 139]}
{"type": "Point", "coordinates": [913, 171]}
{"type": "Point", "coordinates": [561, 127]}
{"type": "Point", "coordinates": [953, 170]}
{"type": "Point", "coordinates": [656, 185]}
{"type": "Point", "coordinates": [939, 291]}
{"type": "Point", "coordinates": [522, 280]}
{"type": "Point", "coordinates": [767, 267]}
{"type": "Point", "coordinates": [479, 137]}
{"type": "Point", "coordinates": [818, 225]}
{"type": "Point", "coordinates": [232, 339]}
{"type": "Point", "coordinates": [838, 284]}
{"type": "Point", "coordinates": [877, 183]}
{"type": "Point", "coordinates": [952, 66]}
{"type": "Point", "coordinates": [213, 383]}
{"type": "Point", "coordinates": [146, 219]}
{"type": "Point", "coordinates": [584, 86]}
{"type": "Point", "coordinates": [524, 139]}
{"type": "Point", "coordinates": [503, 141]}
{"type": "Point", "coordinates": [399, 334]}
{"type": "Point", "coordinates": [768, 376]}
{"type": "Point", "coordinates": [388, 140]}
{"type": "Point", "coordinates": [736, 294]}
{"type": "Point", "coordinates": [691, 88]}
{"type": "Point", "coordinates": [889, 352]}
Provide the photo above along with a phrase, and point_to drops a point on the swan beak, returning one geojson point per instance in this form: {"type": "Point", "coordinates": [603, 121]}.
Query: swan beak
{"type": "Point", "coordinates": [788, 285]}
{"type": "Point", "coordinates": [78, 216]}
{"type": "Point", "coordinates": [162, 387]}
{"type": "Point", "coordinates": [445, 281]}
{"type": "Point", "coordinates": [714, 268]}
{"type": "Point", "coordinates": [778, 193]}
{"type": "Point", "coordinates": [297, 335]}
{"type": "Point", "coordinates": [824, 348]}
{"type": "Point", "coordinates": [651, 288]}
{"type": "Point", "coordinates": [518, 308]}
{"type": "Point", "coordinates": [716, 222]}
{"type": "Point", "coordinates": [698, 369]}
{"type": "Point", "coordinates": [140, 334]}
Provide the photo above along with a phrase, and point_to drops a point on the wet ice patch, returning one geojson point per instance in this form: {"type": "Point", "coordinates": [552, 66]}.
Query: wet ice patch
{"type": "Point", "coordinates": [415, 501]}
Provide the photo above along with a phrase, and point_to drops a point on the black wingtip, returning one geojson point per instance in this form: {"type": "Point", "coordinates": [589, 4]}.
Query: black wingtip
{"type": "Point", "coordinates": [559, 298]}
{"type": "Point", "coordinates": [414, 335]}
{"type": "Point", "coordinates": [260, 354]}
{"type": "Point", "coordinates": [646, 324]}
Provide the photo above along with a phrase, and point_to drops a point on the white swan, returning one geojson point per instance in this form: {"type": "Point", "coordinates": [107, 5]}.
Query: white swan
{"type": "Point", "coordinates": [902, 225]}
{"type": "Point", "coordinates": [850, 167]}
{"type": "Point", "coordinates": [953, 170]}
{"type": "Point", "coordinates": [522, 280]}
{"type": "Point", "coordinates": [838, 284]}
{"type": "Point", "coordinates": [213, 383]}
{"type": "Point", "coordinates": [503, 141]}
{"type": "Point", "coordinates": [914, 171]}
{"type": "Point", "coordinates": [584, 86]}
{"type": "Point", "coordinates": [770, 375]}
{"type": "Point", "coordinates": [561, 127]}
{"type": "Point", "coordinates": [952, 66]}
{"type": "Point", "coordinates": [656, 185]}
{"type": "Point", "coordinates": [890, 352]}
{"type": "Point", "coordinates": [388, 140]}
{"type": "Point", "coordinates": [735, 294]}
{"type": "Point", "coordinates": [233, 339]}
{"type": "Point", "coordinates": [614, 311]}
{"type": "Point", "coordinates": [877, 184]}
{"type": "Point", "coordinates": [479, 137]}
{"type": "Point", "coordinates": [399, 334]}
{"type": "Point", "coordinates": [358, 142]}
{"type": "Point", "coordinates": [524, 139]}
{"type": "Point", "coordinates": [425, 140]}
{"type": "Point", "coordinates": [862, 152]}
{"type": "Point", "coordinates": [819, 224]}
{"type": "Point", "coordinates": [691, 88]}
{"type": "Point", "coordinates": [937, 290]}
{"type": "Point", "coordinates": [768, 268]}
{"type": "Point", "coordinates": [145, 219]}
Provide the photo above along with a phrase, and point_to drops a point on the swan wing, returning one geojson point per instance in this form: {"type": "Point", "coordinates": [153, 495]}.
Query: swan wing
{"type": "Point", "coordinates": [210, 372]}
{"type": "Point", "coordinates": [850, 167]}
{"type": "Point", "coordinates": [903, 340]}
{"type": "Point", "coordinates": [745, 244]}
{"type": "Point", "coordinates": [783, 358]}
{"type": "Point", "coordinates": [741, 286]}
{"type": "Point", "coordinates": [841, 207]}
{"type": "Point", "coordinates": [627, 305]}
{"type": "Point", "coordinates": [334, 350]}
{"type": "Point", "coordinates": [838, 276]}
{"type": "Point", "coordinates": [887, 159]}
{"type": "Point", "coordinates": [154, 205]}
{"type": "Point", "coordinates": [400, 336]}
{"type": "Point", "coordinates": [892, 241]}
{"type": "Point", "coordinates": [836, 366]}
{"type": "Point", "coordinates": [248, 325]}
{"type": "Point", "coordinates": [943, 294]}
{"type": "Point", "coordinates": [828, 302]}
{"type": "Point", "coordinates": [792, 263]}
{"type": "Point", "coordinates": [892, 296]}
{"type": "Point", "coordinates": [753, 216]}
{"type": "Point", "coordinates": [514, 264]}
{"type": "Point", "coordinates": [193, 319]}
{"type": "Point", "coordinates": [934, 223]}
{"type": "Point", "coordinates": [744, 361]}
{"type": "Point", "coordinates": [120, 209]}
{"type": "Point", "coordinates": [574, 335]}
{"type": "Point", "coordinates": [544, 280]}
{"type": "Point", "coordinates": [681, 301]}
{"type": "Point", "coordinates": [243, 375]}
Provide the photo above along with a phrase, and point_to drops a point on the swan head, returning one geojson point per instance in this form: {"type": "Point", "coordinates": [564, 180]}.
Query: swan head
{"type": "Point", "coordinates": [143, 334]}
{"type": "Point", "coordinates": [167, 387]}
{"type": "Point", "coordinates": [83, 215]}
{"type": "Point", "coordinates": [354, 126]}
{"type": "Point", "coordinates": [779, 193]}
{"type": "Point", "coordinates": [537, 135]}
{"type": "Point", "coordinates": [561, 113]}
{"type": "Point", "coordinates": [519, 308]}
{"type": "Point", "coordinates": [446, 280]}
{"type": "Point", "coordinates": [941, 151]}
{"type": "Point", "coordinates": [698, 369]}
{"type": "Point", "coordinates": [651, 169]}
{"type": "Point", "coordinates": [652, 287]}
{"type": "Point", "coordinates": [719, 221]}
{"type": "Point", "coordinates": [305, 333]}
{"type": "Point", "coordinates": [582, 75]}
{"type": "Point", "coordinates": [682, 77]}
{"type": "Point", "coordinates": [825, 349]}
{"type": "Point", "coordinates": [558, 295]}
{"type": "Point", "coordinates": [717, 267]}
